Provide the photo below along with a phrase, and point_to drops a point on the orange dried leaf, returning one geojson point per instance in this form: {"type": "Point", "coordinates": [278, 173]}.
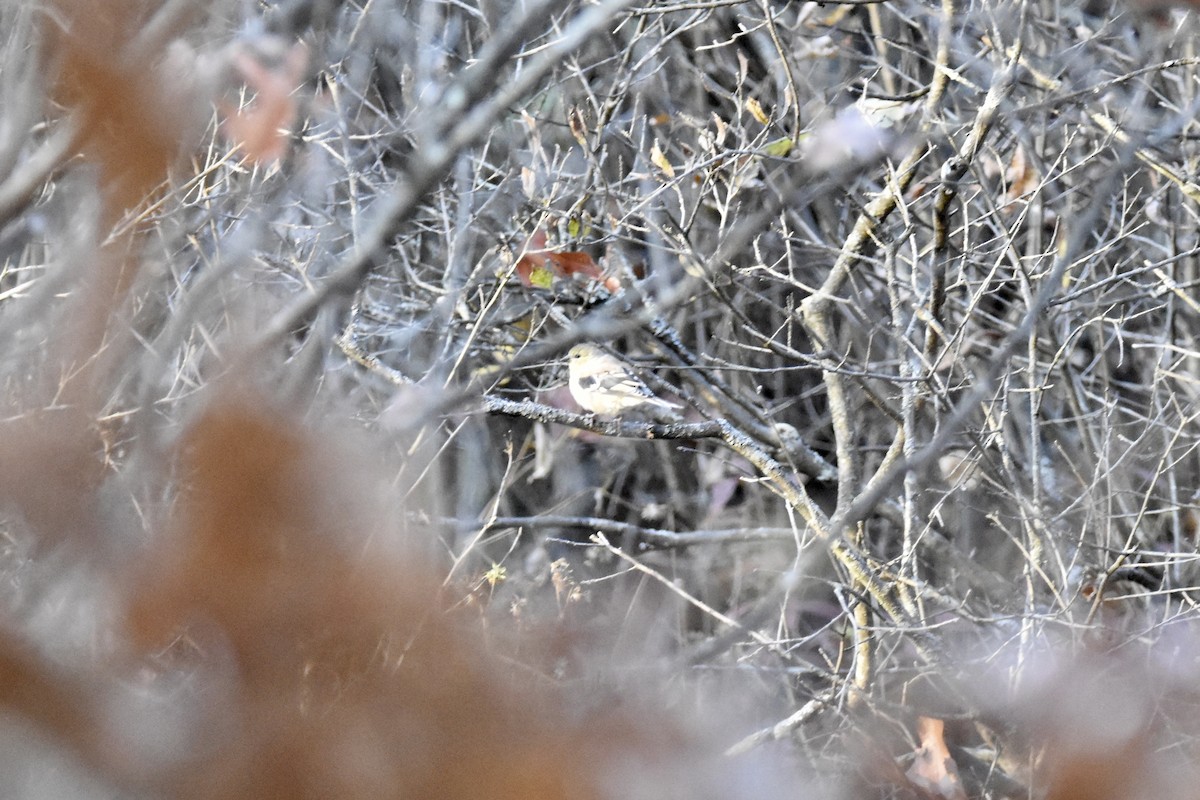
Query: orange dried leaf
{"type": "Point", "coordinates": [575, 263]}
{"type": "Point", "coordinates": [539, 268]}
{"type": "Point", "coordinates": [262, 127]}
{"type": "Point", "coordinates": [1021, 177]}
{"type": "Point", "coordinates": [934, 771]}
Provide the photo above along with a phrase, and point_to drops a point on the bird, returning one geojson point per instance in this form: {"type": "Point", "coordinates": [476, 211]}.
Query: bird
{"type": "Point", "coordinates": [604, 384]}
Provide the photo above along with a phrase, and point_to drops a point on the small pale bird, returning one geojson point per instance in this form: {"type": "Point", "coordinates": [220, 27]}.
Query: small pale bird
{"type": "Point", "coordinates": [604, 384]}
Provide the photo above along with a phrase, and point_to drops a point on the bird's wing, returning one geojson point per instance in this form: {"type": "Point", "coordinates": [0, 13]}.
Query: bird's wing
{"type": "Point", "coordinates": [625, 385]}
{"type": "Point", "coordinates": [616, 382]}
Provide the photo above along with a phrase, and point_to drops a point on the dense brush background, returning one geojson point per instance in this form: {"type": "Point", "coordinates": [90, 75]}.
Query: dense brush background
{"type": "Point", "coordinates": [294, 501]}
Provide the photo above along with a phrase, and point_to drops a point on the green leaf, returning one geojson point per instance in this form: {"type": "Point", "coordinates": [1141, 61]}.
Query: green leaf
{"type": "Point", "coordinates": [542, 278]}
{"type": "Point", "coordinates": [779, 147]}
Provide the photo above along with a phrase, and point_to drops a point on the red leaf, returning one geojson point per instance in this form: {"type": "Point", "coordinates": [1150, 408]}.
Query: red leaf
{"type": "Point", "coordinates": [541, 268]}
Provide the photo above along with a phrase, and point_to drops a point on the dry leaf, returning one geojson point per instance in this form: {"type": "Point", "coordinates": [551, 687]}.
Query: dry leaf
{"type": "Point", "coordinates": [756, 110]}
{"type": "Point", "coordinates": [529, 183]}
{"type": "Point", "coordinates": [578, 126]}
{"type": "Point", "coordinates": [934, 771]}
{"type": "Point", "coordinates": [262, 127]}
{"type": "Point", "coordinates": [659, 160]}
{"type": "Point", "coordinates": [540, 268]}
{"type": "Point", "coordinates": [722, 130]}
{"type": "Point", "coordinates": [1189, 522]}
{"type": "Point", "coordinates": [1021, 177]}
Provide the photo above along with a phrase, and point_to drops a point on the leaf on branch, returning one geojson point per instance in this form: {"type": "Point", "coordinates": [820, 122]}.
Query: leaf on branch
{"type": "Point", "coordinates": [934, 771]}
{"type": "Point", "coordinates": [1021, 178]}
{"type": "Point", "coordinates": [529, 183]}
{"type": "Point", "coordinates": [779, 147]}
{"type": "Point", "coordinates": [577, 226]}
{"type": "Point", "coordinates": [756, 110]}
{"type": "Point", "coordinates": [721, 132]}
{"type": "Point", "coordinates": [261, 128]}
{"type": "Point", "coordinates": [658, 159]}
{"type": "Point", "coordinates": [541, 268]}
{"type": "Point", "coordinates": [578, 126]}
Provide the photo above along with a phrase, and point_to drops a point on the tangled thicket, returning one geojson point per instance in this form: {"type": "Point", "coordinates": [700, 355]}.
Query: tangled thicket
{"type": "Point", "coordinates": [296, 502]}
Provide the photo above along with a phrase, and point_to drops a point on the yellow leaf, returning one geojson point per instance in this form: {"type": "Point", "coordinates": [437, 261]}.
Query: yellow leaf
{"type": "Point", "coordinates": [756, 110]}
{"type": "Point", "coordinates": [542, 278]}
{"type": "Point", "coordinates": [778, 148]}
{"type": "Point", "coordinates": [576, 227]}
{"type": "Point", "coordinates": [659, 160]}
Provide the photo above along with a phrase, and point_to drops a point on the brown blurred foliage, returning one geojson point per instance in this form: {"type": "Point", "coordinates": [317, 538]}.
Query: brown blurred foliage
{"type": "Point", "coordinates": [335, 671]}
{"type": "Point", "coordinates": [132, 123]}
{"type": "Point", "coordinates": [347, 678]}
{"type": "Point", "coordinates": [350, 681]}
{"type": "Point", "coordinates": [260, 623]}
